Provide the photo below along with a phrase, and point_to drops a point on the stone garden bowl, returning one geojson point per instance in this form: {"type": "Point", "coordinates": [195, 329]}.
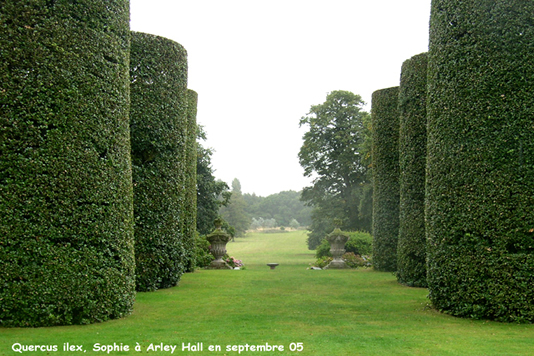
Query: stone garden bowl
{"type": "Point", "coordinates": [272, 265]}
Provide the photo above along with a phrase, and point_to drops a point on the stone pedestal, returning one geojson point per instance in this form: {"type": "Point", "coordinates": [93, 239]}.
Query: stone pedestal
{"type": "Point", "coordinates": [218, 240]}
{"type": "Point", "coordinates": [337, 240]}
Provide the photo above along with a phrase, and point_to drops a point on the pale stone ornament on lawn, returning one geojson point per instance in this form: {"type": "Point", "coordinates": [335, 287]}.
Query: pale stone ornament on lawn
{"type": "Point", "coordinates": [218, 240]}
{"type": "Point", "coordinates": [272, 265]}
{"type": "Point", "coordinates": [337, 240]}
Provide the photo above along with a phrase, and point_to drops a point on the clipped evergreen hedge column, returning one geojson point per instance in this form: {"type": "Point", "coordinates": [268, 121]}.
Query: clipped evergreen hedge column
{"type": "Point", "coordinates": [190, 212]}
{"type": "Point", "coordinates": [385, 122]}
{"type": "Point", "coordinates": [480, 165]}
{"type": "Point", "coordinates": [411, 247]}
{"type": "Point", "coordinates": [159, 125]}
{"type": "Point", "coordinates": [66, 218]}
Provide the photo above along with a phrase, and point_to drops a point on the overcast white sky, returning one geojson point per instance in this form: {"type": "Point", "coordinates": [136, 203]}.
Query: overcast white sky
{"type": "Point", "coordinates": [259, 65]}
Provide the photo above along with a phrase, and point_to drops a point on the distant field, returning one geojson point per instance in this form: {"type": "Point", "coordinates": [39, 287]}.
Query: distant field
{"type": "Point", "coordinates": [343, 312]}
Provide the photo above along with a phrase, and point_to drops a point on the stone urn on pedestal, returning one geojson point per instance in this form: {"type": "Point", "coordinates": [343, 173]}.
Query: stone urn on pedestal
{"type": "Point", "coordinates": [337, 240]}
{"type": "Point", "coordinates": [218, 240]}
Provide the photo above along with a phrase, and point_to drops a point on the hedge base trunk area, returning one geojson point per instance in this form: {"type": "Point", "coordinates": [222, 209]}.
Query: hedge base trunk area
{"type": "Point", "coordinates": [66, 226]}
{"type": "Point", "coordinates": [411, 246]}
{"type": "Point", "coordinates": [159, 126]}
{"type": "Point", "coordinates": [480, 164]}
{"type": "Point", "coordinates": [385, 121]}
{"type": "Point", "coordinates": [190, 212]}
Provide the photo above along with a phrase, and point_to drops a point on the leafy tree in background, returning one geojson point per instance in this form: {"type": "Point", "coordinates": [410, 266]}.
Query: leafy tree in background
{"type": "Point", "coordinates": [366, 193]}
{"type": "Point", "coordinates": [211, 194]}
{"type": "Point", "coordinates": [235, 212]}
{"type": "Point", "coordinates": [335, 152]}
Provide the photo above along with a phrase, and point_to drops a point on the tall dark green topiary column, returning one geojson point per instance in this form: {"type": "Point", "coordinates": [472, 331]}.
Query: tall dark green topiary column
{"type": "Point", "coordinates": [385, 122]}
{"type": "Point", "coordinates": [66, 219]}
{"type": "Point", "coordinates": [411, 248]}
{"type": "Point", "coordinates": [159, 140]}
{"type": "Point", "coordinates": [480, 165]}
{"type": "Point", "coordinates": [190, 210]}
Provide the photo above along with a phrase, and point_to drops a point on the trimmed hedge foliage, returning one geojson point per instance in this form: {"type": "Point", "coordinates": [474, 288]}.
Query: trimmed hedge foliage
{"type": "Point", "coordinates": [480, 165]}
{"type": "Point", "coordinates": [66, 226]}
{"type": "Point", "coordinates": [158, 72]}
{"type": "Point", "coordinates": [385, 122]}
{"type": "Point", "coordinates": [411, 247]}
{"type": "Point", "coordinates": [190, 212]}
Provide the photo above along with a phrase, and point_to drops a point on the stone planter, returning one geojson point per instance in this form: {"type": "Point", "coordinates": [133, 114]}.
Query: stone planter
{"type": "Point", "coordinates": [337, 240]}
{"type": "Point", "coordinates": [218, 240]}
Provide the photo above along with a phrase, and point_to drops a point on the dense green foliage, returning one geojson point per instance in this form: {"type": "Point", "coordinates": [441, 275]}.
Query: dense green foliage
{"type": "Point", "coordinates": [202, 254]}
{"type": "Point", "coordinates": [480, 164]}
{"type": "Point", "coordinates": [411, 247]}
{"type": "Point", "coordinates": [332, 152]}
{"type": "Point", "coordinates": [385, 119]}
{"type": "Point", "coordinates": [66, 219]}
{"type": "Point", "coordinates": [190, 182]}
{"type": "Point", "coordinates": [211, 193]}
{"type": "Point", "coordinates": [359, 243]}
{"type": "Point", "coordinates": [283, 207]}
{"type": "Point", "coordinates": [234, 213]}
{"type": "Point", "coordinates": [160, 138]}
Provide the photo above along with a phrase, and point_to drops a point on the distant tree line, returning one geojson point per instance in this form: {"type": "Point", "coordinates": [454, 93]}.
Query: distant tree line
{"type": "Point", "coordinates": [246, 211]}
{"type": "Point", "coordinates": [283, 207]}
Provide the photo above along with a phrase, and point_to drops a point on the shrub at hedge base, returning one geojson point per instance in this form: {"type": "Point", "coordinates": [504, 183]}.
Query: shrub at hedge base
{"type": "Point", "coordinates": [411, 247]}
{"type": "Point", "coordinates": [66, 226]}
{"type": "Point", "coordinates": [359, 243]}
{"type": "Point", "coordinates": [385, 121]}
{"type": "Point", "coordinates": [158, 72]}
{"type": "Point", "coordinates": [480, 164]}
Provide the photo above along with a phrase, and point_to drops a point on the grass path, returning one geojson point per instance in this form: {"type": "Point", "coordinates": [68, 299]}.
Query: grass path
{"type": "Point", "coordinates": [345, 312]}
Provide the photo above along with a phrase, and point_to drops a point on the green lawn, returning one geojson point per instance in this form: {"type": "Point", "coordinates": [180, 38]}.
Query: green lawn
{"type": "Point", "coordinates": [336, 312]}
